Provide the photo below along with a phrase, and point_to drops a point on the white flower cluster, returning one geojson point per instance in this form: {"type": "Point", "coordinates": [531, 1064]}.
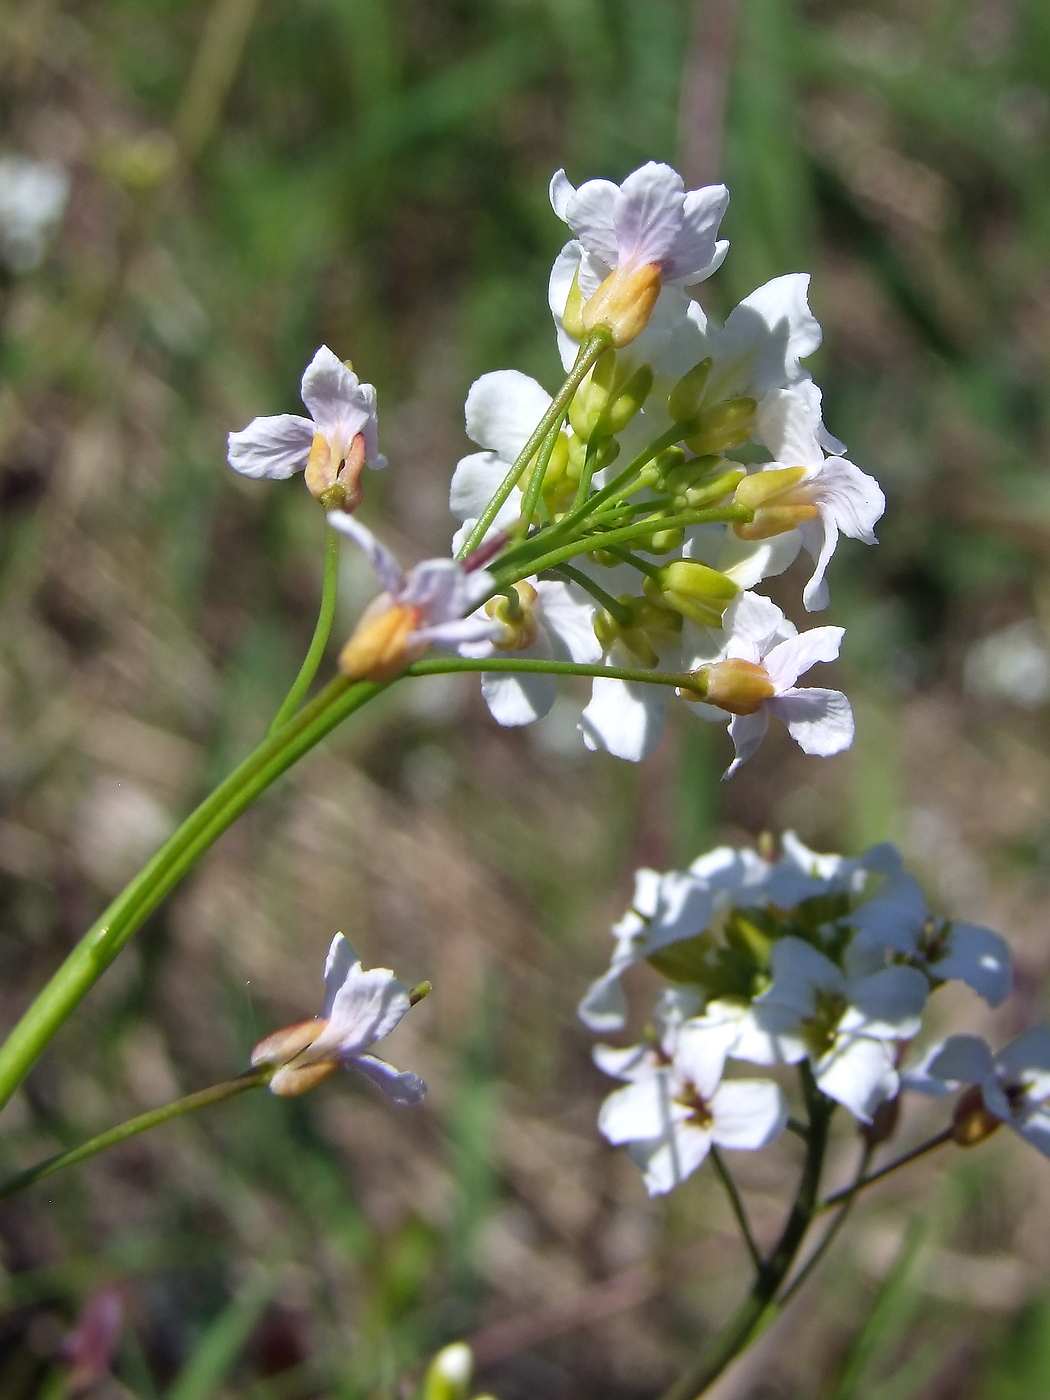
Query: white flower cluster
{"type": "Point", "coordinates": [807, 959]}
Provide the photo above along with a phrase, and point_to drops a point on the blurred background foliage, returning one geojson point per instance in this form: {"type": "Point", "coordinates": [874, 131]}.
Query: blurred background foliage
{"type": "Point", "coordinates": [248, 180]}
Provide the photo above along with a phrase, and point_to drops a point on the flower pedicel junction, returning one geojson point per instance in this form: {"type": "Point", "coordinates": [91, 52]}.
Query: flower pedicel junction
{"type": "Point", "coordinates": [622, 530]}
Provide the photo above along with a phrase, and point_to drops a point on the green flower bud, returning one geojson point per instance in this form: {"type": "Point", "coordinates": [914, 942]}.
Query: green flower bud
{"type": "Point", "coordinates": [663, 541]}
{"type": "Point", "coordinates": [622, 408]}
{"type": "Point", "coordinates": [683, 473]}
{"type": "Point", "coordinates": [694, 590]}
{"type": "Point", "coordinates": [643, 625]}
{"type": "Point", "coordinates": [448, 1375]}
{"type": "Point", "coordinates": [683, 402]}
{"type": "Point", "coordinates": [592, 397]}
{"type": "Point", "coordinates": [723, 425]}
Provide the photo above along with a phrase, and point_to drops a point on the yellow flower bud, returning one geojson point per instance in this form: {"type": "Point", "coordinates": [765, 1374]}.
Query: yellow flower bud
{"type": "Point", "coordinates": [623, 303]}
{"type": "Point", "coordinates": [972, 1122]}
{"type": "Point", "coordinates": [288, 1049]}
{"type": "Point", "coordinates": [777, 501]}
{"type": "Point", "coordinates": [520, 628]}
{"type": "Point", "coordinates": [337, 485]}
{"type": "Point", "coordinates": [734, 685]}
{"type": "Point", "coordinates": [694, 590]}
{"type": "Point", "coordinates": [723, 425]}
{"type": "Point", "coordinates": [683, 402]}
{"type": "Point", "coordinates": [379, 649]}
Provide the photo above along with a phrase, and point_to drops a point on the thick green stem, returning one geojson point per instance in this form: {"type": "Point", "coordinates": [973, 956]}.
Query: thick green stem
{"type": "Point", "coordinates": [104, 940]}
{"type": "Point", "coordinates": [590, 352]}
{"type": "Point", "coordinates": [761, 1306]}
{"type": "Point", "coordinates": [439, 666]}
{"type": "Point", "coordinates": [203, 1098]}
{"type": "Point", "coordinates": [846, 1198]}
{"type": "Point", "coordinates": [322, 631]}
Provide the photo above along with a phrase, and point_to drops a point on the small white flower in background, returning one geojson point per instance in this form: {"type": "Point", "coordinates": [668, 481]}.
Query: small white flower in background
{"type": "Point", "coordinates": [847, 1026]}
{"type": "Point", "coordinates": [1012, 1086]}
{"type": "Point", "coordinates": [552, 621]}
{"type": "Point", "coordinates": [756, 678]}
{"type": "Point", "coordinates": [428, 605]}
{"type": "Point", "coordinates": [801, 874]}
{"type": "Point", "coordinates": [666, 909]}
{"type": "Point", "coordinates": [675, 1105]}
{"type": "Point", "coordinates": [331, 446]}
{"type": "Point", "coordinates": [1012, 664]}
{"type": "Point", "coordinates": [898, 920]}
{"type": "Point", "coordinates": [33, 198]}
{"type": "Point", "coordinates": [360, 1008]}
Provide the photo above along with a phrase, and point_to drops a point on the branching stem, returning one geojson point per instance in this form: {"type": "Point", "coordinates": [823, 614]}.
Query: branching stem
{"type": "Point", "coordinates": [737, 1206]}
{"type": "Point", "coordinates": [322, 631]}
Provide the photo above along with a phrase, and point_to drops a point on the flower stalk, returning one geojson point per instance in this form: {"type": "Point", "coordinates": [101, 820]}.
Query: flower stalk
{"type": "Point", "coordinates": [322, 632]}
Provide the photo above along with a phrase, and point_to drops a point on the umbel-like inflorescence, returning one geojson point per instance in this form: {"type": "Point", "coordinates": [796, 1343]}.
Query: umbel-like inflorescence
{"type": "Point", "coordinates": [626, 524]}
{"type": "Point", "coordinates": [805, 959]}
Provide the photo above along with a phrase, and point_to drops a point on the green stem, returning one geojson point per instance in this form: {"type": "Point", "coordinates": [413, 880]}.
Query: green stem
{"type": "Point", "coordinates": [535, 487]}
{"type": "Point", "coordinates": [322, 632]}
{"type": "Point", "coordinates": [445, 665]}
{"type": "Point", "coordinates": [252, 1079]}
{"type": "Point", "coordinates": [737, 1205]}
{"type": "Point", "coordinates": [112, 930]}
{"type": "Point", "coordinates": [847, 1197]}
{"type": "Point", "coordinates": [760, 1306]}
{"type": "Point", "coordinates": [847, 1194]}
{"type": "Point", "coordinates": [590, 352]}
{"type": "Point", "coordinates": [595, 443]}
{"type": "Point", "coordinates": [642, 565]}
{"type": "Point", "coordinates": [608, 602]}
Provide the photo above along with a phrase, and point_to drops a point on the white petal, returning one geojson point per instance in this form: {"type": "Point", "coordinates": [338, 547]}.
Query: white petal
{"type": "Point", "coordinates": [858, 1073]}
{"type": "Point", "coordinates": [747, 733]}
{"type": "Point", "coordinates": [787, 422]}
{"type": "Point", "coordinates": [640, 1110]}
{"type": "Point", "coordinates": [667, 1162]}
{"type": "Point", "coordinates": [1034, 1127]}
{"type": "Point", "coordinates": [751, 623]}
{"type": "Point", "coordinates": [339, 404]}
{"type": "Point", "coordinates": [451, 636]}
{"type": "Point", "coordinates": [341, 958]}
{"type": "Point", "coordinates": [503, 410]}
{"type": "Point", "coordinates": [387, 569]}
{"type": "Point", "coordinates": [400, 1086]}
{"type": "Point", "coordinates": [569, 617]}
{"type": "Point", "coordinates": [748, 562]}
{"type": "Point", "coordinates": [589, 213]}
{"type": "Point", "coordinates": [748, 1113]}
{"type": "Point", "coordinates": [799, 970]}
{"type": "Point", "coordinates": [515, 700]}
{"type": "Point", "coordinates": [561, 191]}
{"type": "Point", "coordinates": [648, 215]}
{"type": "Point", "coordinates": [697, 253]}
{"type": "Point", "coordinates": [764, 338]}
{"type": "Point", "coordinates": [768, 1034]}
{"type": "Point", "coordinates": [793, 658]}
{"type": "Point", "coordinates": [366, 1008]}
{"type": "Point", "coordinates": [604, 1005]}
{"type": "Point", "coordinates": [683, 909]}
{"type": "Point", "coordinates": [633, 1063]}
{"type": "Point", "coordinates": [700, 1052]}
{"type": "Point", "coordinates": [980, 958]}
{"type": "Point", "coordinates": [894, 918]}
{"type": "Point", "coordinates": [274, 448]}
{"type": "Point", "coordinates": [475, 482]}
{"type": "Point", "coordinates": [958, 1061]}
{"type": "Point", "coordinates": [848, 497]}
{"type": "Point", "coordinates": [820, 721]}
{"type": "Point", "coordinates": [886, 1005]}
{"type": "Point", "coordinates": [1027, 1059]}
{"type": "Point", "coordinates": [624, 717]}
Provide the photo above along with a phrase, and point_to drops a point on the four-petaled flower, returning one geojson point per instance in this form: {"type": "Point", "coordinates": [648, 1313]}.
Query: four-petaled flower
{"type": "Point", "coordinates": [675, 1105]}
{"type": "Point", "coordinates": [427, 605]}
{"type": "Point", "coordinates": [360, 1008]}
{"type": "Point", "coordinates": [331, 446]}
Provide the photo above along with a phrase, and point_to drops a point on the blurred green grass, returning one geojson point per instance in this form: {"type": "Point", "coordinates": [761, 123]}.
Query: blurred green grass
{"type": "Point", "coordinates": [250, 180]}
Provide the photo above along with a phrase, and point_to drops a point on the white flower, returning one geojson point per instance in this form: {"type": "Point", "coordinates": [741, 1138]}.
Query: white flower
{"type": "Point", "coordinates": [848, 1026]}
{"type": "Point", "coordinates": [666, 909]}
{"type": "Point", "coordinates": [342, 429]}
{"type": "Point", "coordinates": [802, 874]}
{"type": "Point", "coordinates": [756, 678]}
{"type": "Point", "coordinates": [554, 621]}
{"type": "Point", "coordinates": [898, 920]}
{"type": "Point", "coordinates": [1014, 1085]}
{"type": "Point", "coordinates": [427, 605]}
{"type": "Point", "coordinates": [33, 196]}
{"type": "Point", "coordinates": [675, 1105]}
{"type": "Point", "coordinates": [802, 500]}
{"type": "Point", "coordinates": [360, 1008]}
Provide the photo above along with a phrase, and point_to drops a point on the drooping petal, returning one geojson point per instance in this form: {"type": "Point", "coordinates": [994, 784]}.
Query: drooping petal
{"type": "Point", "coordinates": [858, 1073]}
{"type": "Point", "coordinates": [887, 1004]}
{"type": "Point", "coordinates": [517, 699]}
{"type": "Point", "coordinates": [668, 1161]}
{"type": "Point", "coordinates": [503, 410]}
{"type": "Point", "coordinates": [820, 721]}
{"type": "Point", "coordinates": [400, 1086]}
{"type": "Point", "coordinates": [365, 1008]}
{"type": "Point", "coordinates": [569, 618]}
{"type": "Point", "coordinates": [698, 252]}
{"type": "Point", "coordinates": [642, 1109]}
{"type": "Point", "coordinates": [274, 448]}
{"type": "Point", "coordinates": [636, 1062]}
{"type": "Point", "coordinates": [957, 1061]}
{"type": "Point", "coordinates": [341, 958]}
{"type": "Point", "coordinates": [978, 957]}
{"type": "Point", "coordinates": [748, 1113]}
{"type": "Point", "coordinates": [604, 1004]}
{"type": "Point", "coordinates": [747, 733]}
{"type": "Point", "coordinates": [793, 658]}
{"type": "Point", "coordinates": [387, 569]}
{"type": "Point", "coordinates": [624, 717]}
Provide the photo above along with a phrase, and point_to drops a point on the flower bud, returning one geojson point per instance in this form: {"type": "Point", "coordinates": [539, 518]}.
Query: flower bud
{"type": "Point", "coordinates": [591, 398]}
{"type": "Point", "coordinates": [644, 624]}
{"type": "Point", "coordinates": [683, 402]}
{"type": "Point", "coordinates": [692, 589]}
{"type": "Point", "coordinates": [556, 467]}
{"type": "Point", "coordinates": [337, 485]}
{"type": "Point", "coordinates": [734, 685]}
{"type": "Point", "coordinates": [883, 1123]}
{"type": "Point", "coordinates": [678, 472]}
{"type": "Point", "coordinates": [448, 1375]}
{"type": "Point", "coordinates": [623, 303]}
{"type": "Point", "coordinates": [777, 499]}
{"type": "Point", "coordinates": [572, 316]}
{"type": "Point", "coordinates": [520, 628]}
{"type": "Point", "coordinates": [380, 649]}
{"type": "Point", "coordinates": [608, 452]}
{"type": "Point", "coordinates": [723, 425]}
{"type": "Point", "coordinates": [287, 1049]}
{"type": "Point", "coordinates": [619, 411]}
{"type": "Point", "coordinates": [972, 1122]}
{"type": "Point", "coordinates": [663, 541]}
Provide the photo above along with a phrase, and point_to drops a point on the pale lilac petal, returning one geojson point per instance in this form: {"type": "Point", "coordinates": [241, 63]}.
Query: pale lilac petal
{"type": "Point", "coordinates": [958, 1061]}
{"type": "Point", "coordinates": [341, 958]}
{"type": "Point", "coordinates": [517, 699]}
{"type": "Point", "coordinates": [858, 1073]}
{"type": "Point", "coordinates": [748, 1114]}
{"type": "Point", "coordinates": [624, 717]}
{"type": "Point", "coordinates": [895, 917]}
{"type": "Point", "coordinates": [647, 215]}
{"type": "Point", "coordinates": [820, 721]}
{"type": "Point", "coordinates": [339, 404]}
{"type": "Point", "coordinates": [387, 569]}
{"type": "Point", "coordinates": [590, 213]}
{"type": "Point", "coordinates": [475, 482]}
{"type": "Point", "coordinates": [697, 252]}
{"type": "Point", "coordinates": [641, 1110]}
{"type": "Point", "coordinates": [667, 1162]}
{"type": "Point", "coordinates": [799, 970]}
{"type": "Point", "coordinates": [365, 1008]}
{"type": "Point", "coordinates": [747, 733]}
{"type": "Point", "coordinates": [978, 957]}
{"type": "Point", "coordinates": [435, 586]}
{"type": "Point", "coordinates": [400, 1086]}
{"type": "Point", "coordinates": [450, 636]}
{"type": "Point", "coordinates": [793, 658]}
{"type": "Point", "coordinates": [1026, 1060]}
{"type": "Point", "coordinates": [503, 410]}
{"type": "Point", "coordinates": [886, 1005]}
{"type": "Point", "coordinates": [561, 191]}
{"type": "Point", "coordinates": [274, 448]}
